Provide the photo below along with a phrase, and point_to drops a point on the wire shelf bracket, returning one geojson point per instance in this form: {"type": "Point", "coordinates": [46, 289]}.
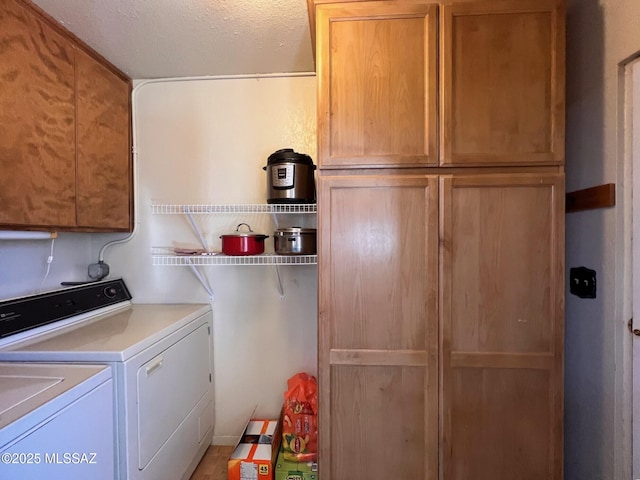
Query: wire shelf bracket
{"type": "Point", "coordinates": [203, 280]}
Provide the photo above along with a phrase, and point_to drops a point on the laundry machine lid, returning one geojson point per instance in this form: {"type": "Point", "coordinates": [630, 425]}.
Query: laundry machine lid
{"type": "Point", "coordinates": [31, 393]}
{"type": "Point", "coordinates": [110, 337]}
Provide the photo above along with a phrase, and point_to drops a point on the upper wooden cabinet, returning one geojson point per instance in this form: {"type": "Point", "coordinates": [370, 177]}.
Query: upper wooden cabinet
{"type": "Point", "coordinates": [502, 87]}
{"type": "Point", "coordinates": [37, 128]}
{"type": "Point", "coordinates": [498, 98]}
{"type": "Point", "coordinates": [377, 92]}
{"type": "Point", "coordinates": [65, 144]}
{"type": "Point", "coordinates": [103, 163]}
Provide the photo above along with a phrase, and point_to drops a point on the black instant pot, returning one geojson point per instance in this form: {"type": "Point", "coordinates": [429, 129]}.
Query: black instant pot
{"type": "Point", "coordinates": [290, 177]}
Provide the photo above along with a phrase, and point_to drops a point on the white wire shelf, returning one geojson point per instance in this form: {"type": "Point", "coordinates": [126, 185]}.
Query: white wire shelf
{"type": "Point", "coordinates": [234, 208]}
{"type": "Point", "coordinates": [220, 259]}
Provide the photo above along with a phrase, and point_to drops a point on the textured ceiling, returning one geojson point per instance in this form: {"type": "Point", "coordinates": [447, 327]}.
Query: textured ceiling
{"type": "Point", "coordinates": [181, 38]}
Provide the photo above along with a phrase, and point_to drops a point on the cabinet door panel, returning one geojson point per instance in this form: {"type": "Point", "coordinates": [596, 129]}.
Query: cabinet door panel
{"type": "Point", "coordinates": [37, 127]}
{"type": "Point", "coordinates": [104, 147]}
{"type": "Point", "coordinates": [502, 423]}
{"type": "Point", "coordinates": [380, 425]}
{"type": "Point", "coordinates": [376, 106]}
{"type": "Point", "coordinates": [501, 325]}
{"type": "Point", "coordinates": [502, 83]}
{"type": "Point", "coordinates": [374, 261]}
{"type": "Point", "coordinates": [498, 249]}
{"type": "Point", "coordinates": [377, 327]}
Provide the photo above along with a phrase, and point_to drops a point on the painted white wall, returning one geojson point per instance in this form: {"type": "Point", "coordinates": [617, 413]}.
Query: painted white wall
{"type": "Point", "coordinates": [600, 35]}
{"type": "Point", "coordinates": [203, 141]}
{"type": "Point", "coordinates": [23, 264]}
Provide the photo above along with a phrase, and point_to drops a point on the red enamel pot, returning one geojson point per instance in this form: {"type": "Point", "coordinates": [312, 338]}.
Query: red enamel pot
{"type": "Point", "coordinates": [243, 243]}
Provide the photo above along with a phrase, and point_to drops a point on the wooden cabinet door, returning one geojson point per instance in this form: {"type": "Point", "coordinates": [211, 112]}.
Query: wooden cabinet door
{"type": "Point", "coordinates": [37, 128]}
{"type": "Point", "coordinates": [501, 326]}
{"type": "Point", "coordinates": [502, 83]}
{"type": "Point", "coordinates": [378, 330]}
{"type": "Point", "coordinates": [104, 146]}
{"type": "Point", "coordinates": [377, 84]}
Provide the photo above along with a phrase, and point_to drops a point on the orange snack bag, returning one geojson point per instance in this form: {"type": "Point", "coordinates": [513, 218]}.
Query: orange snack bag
{"type": "Point", "coordinates": [300, 419]}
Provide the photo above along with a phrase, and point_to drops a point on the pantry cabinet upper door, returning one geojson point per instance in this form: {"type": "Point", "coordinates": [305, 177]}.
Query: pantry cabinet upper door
{"type": "Point", "coordinates": [502, 89]}
{"type": "Point", "coordinates": [377, 84]}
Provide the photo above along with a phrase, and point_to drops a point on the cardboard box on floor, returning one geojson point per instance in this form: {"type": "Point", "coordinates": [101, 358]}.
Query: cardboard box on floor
{"type": "Point", "coordinates": [287, 470]}
{"type": "Point", "coordinates": [255, 455]}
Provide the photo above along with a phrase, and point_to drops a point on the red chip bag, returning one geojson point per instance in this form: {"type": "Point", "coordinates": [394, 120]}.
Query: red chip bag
{"type": "Point", "coordinates": [300, 419]}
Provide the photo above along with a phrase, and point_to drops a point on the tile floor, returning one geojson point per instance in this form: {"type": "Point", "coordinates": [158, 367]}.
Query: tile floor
{"type": "Point", "coordinates": [213, 465]}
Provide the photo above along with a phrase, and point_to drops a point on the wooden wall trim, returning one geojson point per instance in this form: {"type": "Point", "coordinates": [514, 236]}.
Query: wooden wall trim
{"type": "Point", "coordinates": [600, 196]}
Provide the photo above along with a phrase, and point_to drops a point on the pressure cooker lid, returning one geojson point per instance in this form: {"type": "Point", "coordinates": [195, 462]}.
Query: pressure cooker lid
{"type": "Point", "coordinates": [287, 155]}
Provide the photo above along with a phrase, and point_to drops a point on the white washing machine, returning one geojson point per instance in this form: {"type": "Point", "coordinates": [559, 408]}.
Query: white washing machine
{"type": "Point", "coordinates": [38, 404]}
{"type": "Point", "coordinates": [160, 358]}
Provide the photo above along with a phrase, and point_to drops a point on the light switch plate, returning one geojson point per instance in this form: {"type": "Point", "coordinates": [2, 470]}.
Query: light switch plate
{"type": "Point", "coordinates": [582, 282]}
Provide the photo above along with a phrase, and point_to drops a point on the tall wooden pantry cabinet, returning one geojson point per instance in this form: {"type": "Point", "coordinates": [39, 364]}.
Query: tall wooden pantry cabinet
{"type": "Point", "coordinates": [441, 238]}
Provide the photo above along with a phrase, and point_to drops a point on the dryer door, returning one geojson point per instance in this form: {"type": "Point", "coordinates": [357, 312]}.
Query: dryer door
{"type": "Point", "coordinates": [169, 387]}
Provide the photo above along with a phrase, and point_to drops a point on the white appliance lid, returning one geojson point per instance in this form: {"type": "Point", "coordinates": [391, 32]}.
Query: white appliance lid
{"type": "Point", "coordinates": [115, 336]}
{"type": "Point", "coordinates": [31, 393]}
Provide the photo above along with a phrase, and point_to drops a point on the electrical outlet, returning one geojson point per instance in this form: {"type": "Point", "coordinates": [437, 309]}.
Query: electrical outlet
{"type": "Point", "coordinates": [582, 282]}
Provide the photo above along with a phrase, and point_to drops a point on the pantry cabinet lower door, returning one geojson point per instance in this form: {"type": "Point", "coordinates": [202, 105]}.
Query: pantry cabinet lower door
{"type": "Point", "coordinates": [501, 329]}
{"type": "Point", "coordinates": [378, 241]}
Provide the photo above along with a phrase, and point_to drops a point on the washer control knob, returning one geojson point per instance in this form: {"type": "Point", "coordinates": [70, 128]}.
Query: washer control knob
{"type": "Point", "coordinates": [110, 292]}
